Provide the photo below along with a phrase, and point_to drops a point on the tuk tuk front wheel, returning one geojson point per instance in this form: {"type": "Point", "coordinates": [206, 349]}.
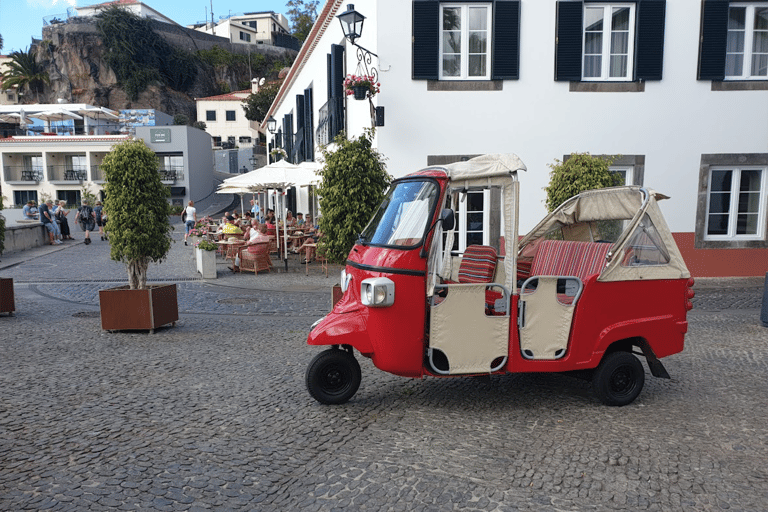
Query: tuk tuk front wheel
{"type": "Point", "coordinates": [333, 377]}
{"type": "Point", "coordinates": [619, 379]}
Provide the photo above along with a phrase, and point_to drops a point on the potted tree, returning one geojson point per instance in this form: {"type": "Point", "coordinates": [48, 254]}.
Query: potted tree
{"type": "Point", "coordinates": [7, 302]}
{"type": "Point", "coordinates": [139, 234]}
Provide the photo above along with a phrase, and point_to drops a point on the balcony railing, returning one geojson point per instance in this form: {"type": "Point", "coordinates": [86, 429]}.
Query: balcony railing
{"type": "Point", "coordinates": [92, 129]}
{"type": "Point", "coordinates": [23, 173]}
{"type": "Point", "coordinates": [171, 174]}
{"type": "Point", "coordinates": [67, 173]}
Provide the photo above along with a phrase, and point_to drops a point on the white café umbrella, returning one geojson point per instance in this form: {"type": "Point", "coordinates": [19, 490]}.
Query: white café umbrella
{"type": "Point", "coordinates": [278, 176]}
{"type": "Point", "coordinates": [57, 114]}
{"type": "Point", "coordinates": [239, 190]}
{"type": "Point", "coordinates": [99, 113]}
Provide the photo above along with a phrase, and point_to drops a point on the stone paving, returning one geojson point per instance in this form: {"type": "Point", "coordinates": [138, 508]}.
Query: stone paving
{"type": "Point", "coordinates": [213, 414]}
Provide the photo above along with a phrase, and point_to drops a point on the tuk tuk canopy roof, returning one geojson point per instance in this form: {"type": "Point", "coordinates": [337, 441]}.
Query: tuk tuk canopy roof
{"type": "Point", "coordinates": [485, 166]}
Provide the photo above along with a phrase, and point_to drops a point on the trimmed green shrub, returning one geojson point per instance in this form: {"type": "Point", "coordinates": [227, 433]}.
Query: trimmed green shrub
{"type": "Point", "coordinates": [353, 186]}
{"type": "Point", "coordinates": [137, 205]}
{"type": "Point", "coordinates": [579, 172]}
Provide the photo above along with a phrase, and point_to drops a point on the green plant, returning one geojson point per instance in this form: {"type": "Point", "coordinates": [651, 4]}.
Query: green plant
{"type": "Point", "coordinates": [206, 245]}
{"type": "Point", "coordinates": [200, 125]}
{"type": "Point", "coordinates": [87, 195]}
{"type": "Point", "coordinates": [302, 14]}
{"type": "Point", "coordinates": [257, 105]}
{"type": "Point", "coordinates": [354, 180]}
{"type": "Point", "coordinates": [579, 172]}
{"type": "Point", "coordinates": [176, 209]}
{"type": "Point", "coordinates": [180, 119]}
{"type": "Point", "coordinates": [138, 209]}
{"type": "Point", "coordinates": [366, 81]}
{"type": "Point", "coordinates": [23, 70]}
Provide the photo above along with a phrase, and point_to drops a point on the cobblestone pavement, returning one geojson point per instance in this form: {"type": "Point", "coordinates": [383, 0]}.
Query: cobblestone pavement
{"type": "Point", "coordinates": [213, 414]}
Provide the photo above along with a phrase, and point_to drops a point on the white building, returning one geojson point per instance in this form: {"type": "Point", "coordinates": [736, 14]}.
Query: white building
{"type": "Point", "coordinates": [263, 27]}
{"type": "Point", "coordinates": [7, 96]}
{"type": "Point", "coordinates": [542, 79]}
{"type": "Point", "coordinates": [60, 164]}
{"type": "Point", "coordinates": [224, 118]}
{"type": "Point", "coordinates": [138, 8]}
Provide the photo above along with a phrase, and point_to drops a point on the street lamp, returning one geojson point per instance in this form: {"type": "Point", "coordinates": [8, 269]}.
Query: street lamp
{"type": "Point", "coordinates": [271, 125]}
{"type": "Point", "coordinates": [351, 23]}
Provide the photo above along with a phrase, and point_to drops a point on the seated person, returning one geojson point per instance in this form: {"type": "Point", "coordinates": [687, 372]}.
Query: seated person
{"type": "Point", "coordinates": [29, 211]}
{"type": "Point", "coordinates": [308, 226]}
{"type": "Point", "coordinates": [310, 245]}
{"type": "Point", "coordinates": [289, 220]}
{"type": "Point", "coordinates": [258, 234]}
{"type": "Point", "coordinates": [299, 220]}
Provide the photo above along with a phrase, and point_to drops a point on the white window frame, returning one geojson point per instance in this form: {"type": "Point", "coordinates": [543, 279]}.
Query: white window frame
{"type": "Point", "coordinates": [734, 203]}
{"type": "Point", "coordinates": [464, 74]}
{"type": "Point", "coordinates": [461, 232]}
{"type": "Point", "coordinates": [626, 170]}
{"type": "Point", "coordinates": [749, 37]}
{"type": "Point", "coordinates": [605, 62]}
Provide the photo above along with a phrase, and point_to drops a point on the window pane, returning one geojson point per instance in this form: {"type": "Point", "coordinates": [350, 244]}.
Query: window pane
{"type": "Point", "coordinates": [720, 181]}
{"type": "Point", "coordinates": [734, 63]}
{"type": "Point", "coordinates": [478, 18]}
{"type": "Point", "coordinates": [719, 202]}
{"type": "Point", "coordinates": [746, 224]}
{"type": "Point", "coordinates": [451, 42]}
{"type": "Point", "coordinates": [474, 221]}
{"type": "Point", "coordinates": [717, 224]}
{"type": "Point", "coordinates": [452, 18]}
{"type": "Point", "coordinates": [477, 65]}
{"type": "Point", "coordinates": [592, 65]}
{"type": "Point", "coordinates": [451, 65]}
{"type": "Point", "coordinates": [618, 66]}
{"type": "Point", "coordinates": [620, 18]}
{"type": "Point", "coordinates": [593, 18]}
{"type": "Point", "coordinates": [761, 18]}
{"type": "Point", "coordinates": [478, 42]}
{"type": "Point", "coordinates": [735, 42]}
{"type": "Point", "coordinates": [619, 42]}
{"type": "Point", "coordinates": [760, 65]}
{"type": "Point", "coordinates": [736, 18]}
{"type": "Point", "coordinates": [475, 201]}
{"type": "Point", "coordinates": [593, 43]}
{"type": "Point", "coordinates": [474, 239]}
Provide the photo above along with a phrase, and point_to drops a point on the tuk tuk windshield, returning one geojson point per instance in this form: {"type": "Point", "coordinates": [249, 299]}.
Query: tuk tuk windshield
{"type": "Point", "coordinates": [402, 218]}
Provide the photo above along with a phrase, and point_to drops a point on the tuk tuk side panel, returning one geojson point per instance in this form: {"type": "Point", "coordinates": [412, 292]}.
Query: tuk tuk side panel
{"type": "Point", "coordinates": [609, 312]}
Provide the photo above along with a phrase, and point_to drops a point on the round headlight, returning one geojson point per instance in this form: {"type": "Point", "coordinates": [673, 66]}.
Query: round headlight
{"type": "Point", "coordinates": [369, 294]}
{"type": "Point", "coordinates": [381, 295]}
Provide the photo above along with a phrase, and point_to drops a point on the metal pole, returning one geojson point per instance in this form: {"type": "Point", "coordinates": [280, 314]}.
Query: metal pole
{"type": "Point", "coordinates": [764, 310]}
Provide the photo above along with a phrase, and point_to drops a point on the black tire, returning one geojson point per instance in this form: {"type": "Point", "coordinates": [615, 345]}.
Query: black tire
{"type": "Point", "coordinates": [619, 379]}
{"type": "Point", "coordinates": [333, 377]}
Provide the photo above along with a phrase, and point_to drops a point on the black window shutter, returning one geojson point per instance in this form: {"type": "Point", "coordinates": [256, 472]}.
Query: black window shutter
{"type": "Point", "coordinates": [336, 84]}
{"type": "Point", "coordinates": [714, 34]}
{"type": "Point", "coordinates": [426, 34]}
{"type": "Point", "coordinates": [309, 131]}
{"type": "Point", "coordinates": [288, 131]}
{"type": "Point", "coordinates": [568, 36]}
{"type": "Point", "coordinates": [299, 139]}
{"type": "Point", "coordinates": [506, 40]}
{"type": "Point", "coordinates": [329, 72]}
{"type": "Point", "coordinates": [649, 54]}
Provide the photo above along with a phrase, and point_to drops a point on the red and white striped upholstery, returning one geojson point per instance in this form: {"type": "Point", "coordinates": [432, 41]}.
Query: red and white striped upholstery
{"type": "Point", "coordinates": [478, 264]}
{"type": "Point", "coordinates": [569, 258]}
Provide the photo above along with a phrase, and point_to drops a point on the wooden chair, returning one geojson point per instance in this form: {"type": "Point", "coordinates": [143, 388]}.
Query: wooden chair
{"type": "Point", "coordinates": [255, 257]}
{"type": "Point", "coordinates": [271, 233]}
{"type": "Point", "coordinates": [233, 250]}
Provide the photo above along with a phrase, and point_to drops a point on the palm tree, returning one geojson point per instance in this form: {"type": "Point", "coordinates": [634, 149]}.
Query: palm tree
{"type": "Point", "coordinates": [24, 71]}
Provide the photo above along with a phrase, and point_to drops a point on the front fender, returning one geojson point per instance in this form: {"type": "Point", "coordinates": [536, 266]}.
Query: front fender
{"type": "Point", "coordinates": [343, 329]}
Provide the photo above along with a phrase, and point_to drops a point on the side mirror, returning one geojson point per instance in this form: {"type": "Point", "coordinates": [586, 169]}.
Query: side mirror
{"type": "Point", "coordinates": [448, 219]}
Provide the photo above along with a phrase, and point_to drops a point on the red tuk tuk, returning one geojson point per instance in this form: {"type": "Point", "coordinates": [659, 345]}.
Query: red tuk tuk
{"type": "Point", "coordinates": [595, 282]}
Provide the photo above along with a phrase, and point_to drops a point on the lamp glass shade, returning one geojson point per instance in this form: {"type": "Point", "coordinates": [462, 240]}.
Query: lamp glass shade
{"type": "Point", "coordinates": [351, 23]}
{"type": "Point", "coordinates": [271, 124]}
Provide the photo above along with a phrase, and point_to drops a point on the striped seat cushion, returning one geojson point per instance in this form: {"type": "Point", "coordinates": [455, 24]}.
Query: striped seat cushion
{"type": "Point", "coordinates": [478, 265]}
{"type": "Point", "coordinates": [569, 258]}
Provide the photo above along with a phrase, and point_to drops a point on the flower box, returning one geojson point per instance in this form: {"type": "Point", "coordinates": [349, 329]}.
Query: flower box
{"type": "Point", "coordinates": [7, 302]}
{"type": "Point", "coordinates": [206, 263]}
{"type": "Point", "coordinates": [123, 309]}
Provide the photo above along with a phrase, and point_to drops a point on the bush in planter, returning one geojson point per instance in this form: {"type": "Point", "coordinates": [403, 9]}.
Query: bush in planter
{"type": "Point", "coordinates": [578, 173]}
{"type": "Point", "coordinates": [138, 209]}
{"type": "Point", "coordinates": [206, 245]}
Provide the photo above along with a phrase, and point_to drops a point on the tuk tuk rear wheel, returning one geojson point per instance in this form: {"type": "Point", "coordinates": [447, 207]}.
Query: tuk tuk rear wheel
{"type": "Point", "coordinates": [333, 377]}
{"type": "Point", "coordinates": [619, 379]}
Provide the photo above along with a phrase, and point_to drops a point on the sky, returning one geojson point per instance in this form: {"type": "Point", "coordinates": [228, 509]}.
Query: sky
{"type": "Point", "coordinates": [21, 20]}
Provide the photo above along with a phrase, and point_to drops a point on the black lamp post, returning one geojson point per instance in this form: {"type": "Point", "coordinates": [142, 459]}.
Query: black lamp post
{"type": "Point", "coordinates": [271, 128]}
{"type": "Point", "coordinates": [351, 23]}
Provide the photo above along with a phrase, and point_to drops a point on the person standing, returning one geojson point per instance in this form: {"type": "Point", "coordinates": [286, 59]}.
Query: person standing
{"type": "Point", "coordinates": [255, 209]}
{"type": "Point", "coordinates": [87, 219]}
{"type": "Point", "coordinates": [61, 217]}
{"type": "Point", "coordinates": [191, 216]}
{"type": "Point", "coordinates": [98, 212]}
{"type": "Point", "coordinates": [49, 221]}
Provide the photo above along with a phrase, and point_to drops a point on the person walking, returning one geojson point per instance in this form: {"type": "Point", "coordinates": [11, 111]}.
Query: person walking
{"type": "Point", "coordinates": [87, 220]}
{"type": "Point", "coordinates": [191, 216]}
{"type": "Point", "coordinates": [98, 212]}
{"type": "Point", "coordinates": [49, 221]}
{"type": "Point", "coordinates": [61, 217]}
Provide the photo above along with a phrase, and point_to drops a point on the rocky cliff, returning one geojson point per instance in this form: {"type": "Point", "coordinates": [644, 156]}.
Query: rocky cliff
{"type": "Point", "coordinates": [73, 54]}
